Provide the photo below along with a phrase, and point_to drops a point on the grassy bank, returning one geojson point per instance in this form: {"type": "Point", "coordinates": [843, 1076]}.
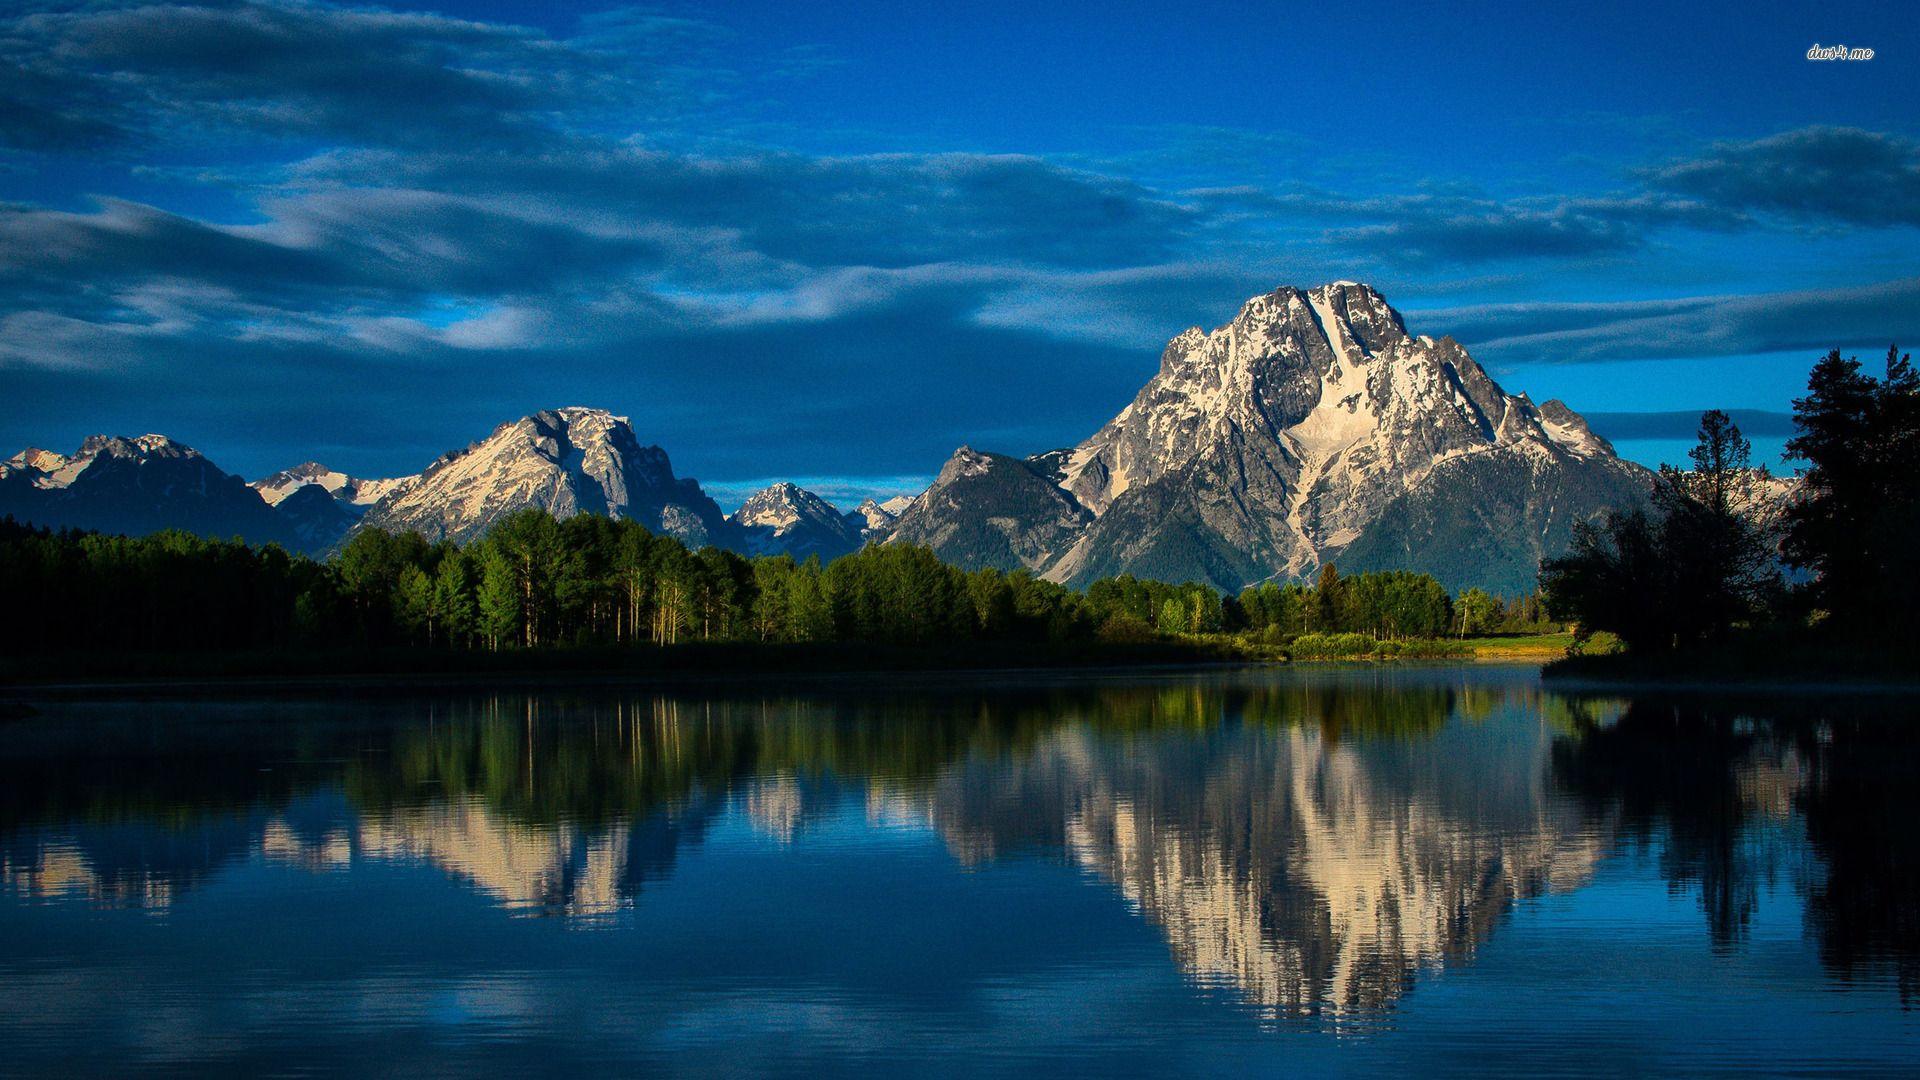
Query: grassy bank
{"type": "Point", "coordinates": [1303, 647]}
{"type": "Point", "coordinates": [1542, 647]}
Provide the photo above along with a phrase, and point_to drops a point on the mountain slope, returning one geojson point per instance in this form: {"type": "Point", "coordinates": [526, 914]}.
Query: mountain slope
{"type": "Point", "coordinates": [870, 519]}
{"type": "Point", "coordinates": [992, 510]}
{"type": "Point", "coordinates": [314, 518]}
{"type": "Point", "coordinates": [565, 461]}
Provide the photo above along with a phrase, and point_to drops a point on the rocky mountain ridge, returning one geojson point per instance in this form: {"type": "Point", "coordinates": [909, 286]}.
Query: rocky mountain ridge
{"type": "Point", "coordinates": [1312, 427]}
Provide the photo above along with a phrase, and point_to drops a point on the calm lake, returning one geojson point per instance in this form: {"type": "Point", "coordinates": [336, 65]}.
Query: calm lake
{"type": "Point", "coordinates": [1430, 868]}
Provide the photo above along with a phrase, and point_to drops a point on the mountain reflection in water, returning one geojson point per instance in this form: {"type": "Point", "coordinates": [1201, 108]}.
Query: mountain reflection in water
{"type": "Point", "coordinates": [1309, 845]}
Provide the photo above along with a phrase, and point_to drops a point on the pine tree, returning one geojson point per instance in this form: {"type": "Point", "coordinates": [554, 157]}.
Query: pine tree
{"type": "Point", "coordinates": [1720, 564]}
{"type": "Point", "coordinates": [453, 589]}
{"type": "Point", "coordinates": [498, 601]}
{"type": "Point", "coordinates": [1854, 526]}
{"type": "Point", "coordinates": [1328, 600]}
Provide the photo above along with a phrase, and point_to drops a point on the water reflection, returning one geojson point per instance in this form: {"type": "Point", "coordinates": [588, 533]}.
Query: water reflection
{"type": "Point", "coordinates": [1307, 873]}
{"type": "Point", "coordinates": [1736, 795]}
{"type": "Point", "coordinates": [1308, 845]}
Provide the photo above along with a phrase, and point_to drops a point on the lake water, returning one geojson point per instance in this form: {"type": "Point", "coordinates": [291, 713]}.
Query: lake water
{"type": "Point", "coordinates": [1438, 869]}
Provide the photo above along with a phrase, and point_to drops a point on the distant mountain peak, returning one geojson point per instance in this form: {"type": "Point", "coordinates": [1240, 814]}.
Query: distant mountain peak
{"type": "Point", "coordinates": [780, 505]}
{"type": "Point", "coordinates": [986, 509]}
{"type": "Point", "coordinates": [785, 517]}
{"type": "Point", "coordinates": [354, 494]}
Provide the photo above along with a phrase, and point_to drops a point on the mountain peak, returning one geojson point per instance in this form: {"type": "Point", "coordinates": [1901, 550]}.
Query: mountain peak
{"type": "Point", "coordinates": [574, 414]}
{"type": "Point", "coordinates": [568, 460]}
{"type": "Point", "coordinates": [134, 447]}
{"type": "Point", "coordinates": [966, 461]}
{"type": "Point", "coordinates": [781, 504]}
{"type": "Point", "coordinates": [138, 485]}
{"type": "Point", "coordinates": [988, 509]}
{"type": "Point", "coordinates": [785, 517]}
{"type": "Point", "coordinates": [1285, 435]}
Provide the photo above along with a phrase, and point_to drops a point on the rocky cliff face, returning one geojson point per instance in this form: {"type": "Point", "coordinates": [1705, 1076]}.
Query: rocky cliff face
{"type": "Point", "coordinates": [874, 519]}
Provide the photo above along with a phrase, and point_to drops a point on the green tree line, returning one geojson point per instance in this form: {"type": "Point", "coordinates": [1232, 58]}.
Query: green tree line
{"type": "Point", "coordinates": [534, 582]}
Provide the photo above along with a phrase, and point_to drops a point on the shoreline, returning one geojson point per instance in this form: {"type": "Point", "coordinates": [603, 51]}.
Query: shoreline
{"type": "Point", "coordinates": [698, 664]}
{"type": "Point", "coordinates": [15, 695]}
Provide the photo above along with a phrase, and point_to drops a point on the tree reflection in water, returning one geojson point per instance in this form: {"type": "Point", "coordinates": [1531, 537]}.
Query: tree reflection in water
{"type": "Point", "coordinates": [1739, 793]}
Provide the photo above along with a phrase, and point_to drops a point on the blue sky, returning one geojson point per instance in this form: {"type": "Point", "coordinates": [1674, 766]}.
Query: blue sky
{"type": "Point", "coordinates": [835, 241]}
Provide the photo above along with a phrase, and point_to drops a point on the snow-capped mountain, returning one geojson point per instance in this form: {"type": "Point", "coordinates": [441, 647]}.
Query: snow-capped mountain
{"type": "Point", "coordinates": [1312, 428]}
{"type": "Point", "coordinates": [566, 461]}
{"type": "Point", "coordinates": [135, 486]}
{"type": "Point", "coordinates": [788, 519]}
{"type": "Point", "coordinates": [351, 491]}
{"type": "Point", "coordinates": [41, 461]}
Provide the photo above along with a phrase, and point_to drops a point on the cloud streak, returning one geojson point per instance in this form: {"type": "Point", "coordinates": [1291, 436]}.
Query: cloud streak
{"type": "Point", "coordinates": [455, 219]}
{"type": "Point", "coordinates": [1820, 174]}
{"type": "Point", "coordinates": [1814, 320]}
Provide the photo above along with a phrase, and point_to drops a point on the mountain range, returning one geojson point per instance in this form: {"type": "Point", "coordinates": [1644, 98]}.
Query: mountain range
{"type": "Point", "coordinates": [1311, 428]}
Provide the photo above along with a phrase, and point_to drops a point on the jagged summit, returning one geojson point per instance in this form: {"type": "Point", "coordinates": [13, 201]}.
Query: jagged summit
{"type": "Point", "coordinates": [61, 470]}
{"type": "Point", "coordinates": [779, 505]}
{"type": "Point", "coordinates": [566, 461]}
{"type": "Point", "coordinates": [875, 518]}
{"type": "Point", "coordinates": [1315, 371]}
{"type": "Point", "coordinates": [36, 459]}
